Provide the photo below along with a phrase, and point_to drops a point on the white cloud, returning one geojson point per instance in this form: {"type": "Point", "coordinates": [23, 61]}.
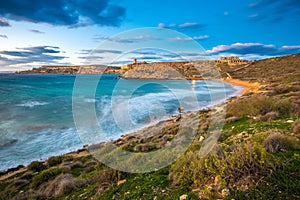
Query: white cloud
{"type": "Point", "coordinates": [187, 39]}
{"type": "Point", "coordinates": [186, 25]}
{"type": "Point", "coordinates": [253, 49]}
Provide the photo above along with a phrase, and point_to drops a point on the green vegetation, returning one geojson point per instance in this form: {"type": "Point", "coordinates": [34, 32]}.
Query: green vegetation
{"type": "Point", "coordinates": [257, 155]}
{"type": "Point", "coordinates": [55, 160]}
{"type": "Point", "coordinates": [45, 176]}
{"type": "Point", "coordinates": [37, 166]}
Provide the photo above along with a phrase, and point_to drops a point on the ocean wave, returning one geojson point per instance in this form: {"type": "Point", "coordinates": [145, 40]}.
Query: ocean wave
{"type": "Point", "coordinates": [87, 100]}
{"type": "Point", "coordinates": [32, 104]}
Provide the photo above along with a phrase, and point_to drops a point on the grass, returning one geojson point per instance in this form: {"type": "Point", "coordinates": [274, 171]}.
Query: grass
{"type": "Point", "coordinates": [147, 186]}
{"type": "Point", "coordinates": [252, 126]}
{"type": "Point", "coordinates": [45, 176]}
{"type": "Point", "coordinates": [86, 192]}
{"type": "Point", "coordinates": [284, 183]}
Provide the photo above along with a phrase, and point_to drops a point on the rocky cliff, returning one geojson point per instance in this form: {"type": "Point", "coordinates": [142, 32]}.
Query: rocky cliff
{"type": "Point", "coordinates": [173, 70]}
{"type": "Point", "coordinates": [86, 69]}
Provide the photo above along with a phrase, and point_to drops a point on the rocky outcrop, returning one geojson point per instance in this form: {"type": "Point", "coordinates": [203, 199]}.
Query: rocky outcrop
{"type": "Point", "coordinates": [154, 71]}
{"type": "Point", "coordinates": [173, 70]}
{"type": "Point", "coordinates": [86, 69]}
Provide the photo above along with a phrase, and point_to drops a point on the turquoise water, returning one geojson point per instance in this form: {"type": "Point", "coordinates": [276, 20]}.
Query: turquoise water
{"type": "Point", "coordinates": [36, 111]}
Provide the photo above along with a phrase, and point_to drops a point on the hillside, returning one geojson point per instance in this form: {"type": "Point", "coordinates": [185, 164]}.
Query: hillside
{"type": "Point", "coordinates": [85, 69]}
{"type": "Point", "coordinates": [280, 69]}
{"type": "Point", "coordinates": [257, 155]}
{"type": "Point", "coordinates": [173, 70]}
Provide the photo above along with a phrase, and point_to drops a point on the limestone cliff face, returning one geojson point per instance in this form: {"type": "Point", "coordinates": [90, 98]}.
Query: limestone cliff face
{"type": "Point", "coordinates": [153, 71]}
{"type": "Point", "coordinates": [86, 69]}
{"type": "Point", "coordinates": [172, 70]}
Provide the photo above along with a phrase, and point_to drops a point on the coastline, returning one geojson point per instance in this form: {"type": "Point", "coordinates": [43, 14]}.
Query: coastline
{"type": "Point", "coordinates": [84, 151]}
{"type": "Point", "coordinates": [248, 86]}
{"type": "Point", "coordinates": [244, 141]}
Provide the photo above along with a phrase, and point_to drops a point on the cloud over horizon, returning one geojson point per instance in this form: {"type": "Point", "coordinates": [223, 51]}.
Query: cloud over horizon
{"type": "Point", "coordinates": [3, 36]}
{"type": "Point", "coordinates": [75, 13]}
{"type": "Point", "coordinates": [31, 55]}
{"type": "Point", "coordinates": [4, 22]}
{"type": "Point", "coordinates": [254, 49]}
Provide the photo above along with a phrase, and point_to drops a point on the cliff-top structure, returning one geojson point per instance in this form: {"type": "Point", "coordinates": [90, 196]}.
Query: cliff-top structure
{"type": "Point", "coordinates": [231, 60]}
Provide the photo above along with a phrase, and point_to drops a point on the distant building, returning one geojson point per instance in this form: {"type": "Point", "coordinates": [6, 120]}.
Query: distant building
{"type": "Point", "coordinates": [130, 66]}
{"type": "Point", "coordinates": [231, 60]}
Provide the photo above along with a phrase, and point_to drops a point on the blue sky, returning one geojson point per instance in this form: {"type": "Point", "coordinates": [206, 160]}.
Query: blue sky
{"type": "Point", "coordinates": [60, 32]}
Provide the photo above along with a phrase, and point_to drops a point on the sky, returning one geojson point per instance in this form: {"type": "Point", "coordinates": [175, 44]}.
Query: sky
{"type": "Point", "coordinates": [113, 32]}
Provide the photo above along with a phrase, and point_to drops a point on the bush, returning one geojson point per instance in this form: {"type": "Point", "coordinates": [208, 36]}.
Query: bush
{"type": "Point", "coordinates": [62, 184]}
{"type": "Point", "coordinates": [278, 142]}
{"type": "Point", "coordinates": [46, 175]}
{"type": "Point", "coordinates": [231, 119]}
{"type": "Point", "coordinates": [259, 105]}
{"type": "Point", "coordinates": [283, 107]}
{"type": "Point", "coordinates": [296, 126]}
{"type": "Point", "coordinates": [253, 105]}
{"type": "Point", "coordinates": [241, 162]}
{"type": "Point", "coordinates": [269, 116]}
{"type": "Point", "coordinates": [55, 160]}
{"type": "Point", "coordinates": [37, 166]}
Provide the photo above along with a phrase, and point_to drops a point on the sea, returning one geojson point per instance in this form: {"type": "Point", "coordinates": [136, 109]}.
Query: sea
{"type": "Point", "coordinates": [37, 112]}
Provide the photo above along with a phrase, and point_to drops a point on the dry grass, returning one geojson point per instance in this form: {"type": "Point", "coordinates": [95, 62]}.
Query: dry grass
{"type": "Point", "coordinates": [279, 142]}
{"type": "Point", "coordinates": [62, 184]}
{"type": "Point", "coordinates": [296, 127]}
{"type": "Point", "coordinates": [268, 117]}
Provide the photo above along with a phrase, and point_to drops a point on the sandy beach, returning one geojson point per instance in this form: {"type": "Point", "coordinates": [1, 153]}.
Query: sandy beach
{"type": "Point", "coordinates": [248, 86]}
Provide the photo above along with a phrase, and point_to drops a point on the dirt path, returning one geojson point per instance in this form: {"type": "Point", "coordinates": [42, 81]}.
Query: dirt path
{"type": "Point", "coordinates": [10, 174]}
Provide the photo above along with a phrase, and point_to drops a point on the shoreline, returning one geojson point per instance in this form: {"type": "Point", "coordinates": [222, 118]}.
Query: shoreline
{"type": "Point", "coordinates": [247, 87]}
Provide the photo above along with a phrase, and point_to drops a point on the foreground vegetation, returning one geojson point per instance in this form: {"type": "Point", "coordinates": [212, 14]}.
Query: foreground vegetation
{"type": "Point", "coordinates": [257, 155]}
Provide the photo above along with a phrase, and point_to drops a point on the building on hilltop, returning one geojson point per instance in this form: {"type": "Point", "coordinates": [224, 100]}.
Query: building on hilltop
{"type": "Point", "coordinates": [133, 64]}
{"type": "Point", "coordinates": [231, 60]}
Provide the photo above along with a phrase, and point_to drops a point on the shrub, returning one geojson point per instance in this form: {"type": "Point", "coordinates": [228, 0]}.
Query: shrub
{"type": "Point", "coordinates": [278, 142]}
{"type": "Point", "coordinates": [253, 105]}
{"type": "Point", "coordinates": [231, 119]}
{"type": "Point", "coordinates": [46, 175]}
{"type": "Point", "coordinates": [259, 105]}
{"type": "Point", "coordinates": [239, 163]}
{"type": "Point", "coordinates": [62, 184]}
{"type": "Point", "coordinates": [269, 116]}
{"type": "Point", "coordinates": [296, 126]}
{"type": "Point", "coordinates": [55, 160]}
{"type": "Point", "coordinates": [262, 104]}
{"type": "Point", "coordinates": [37, 166]}
{"type": "Point", "coordinates": [283, 107]}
